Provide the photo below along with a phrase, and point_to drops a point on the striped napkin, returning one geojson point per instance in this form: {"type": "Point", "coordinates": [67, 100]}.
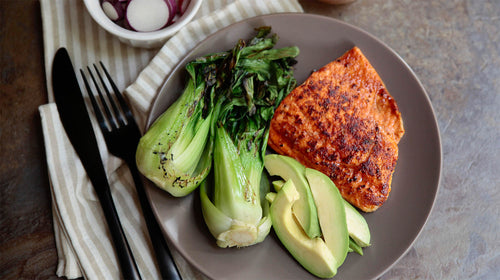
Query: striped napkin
{"type": "Point", "coordinates": [82, 240]}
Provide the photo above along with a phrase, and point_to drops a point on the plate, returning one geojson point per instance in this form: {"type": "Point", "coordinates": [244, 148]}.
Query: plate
{"type": "Point", "coordinates": [394, 227]}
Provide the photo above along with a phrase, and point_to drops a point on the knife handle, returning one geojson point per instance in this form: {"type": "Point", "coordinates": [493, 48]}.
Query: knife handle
{"type": "Point", "coordinates": [126, 260]}
{"type": "Point", "coordinates": [164, 257]}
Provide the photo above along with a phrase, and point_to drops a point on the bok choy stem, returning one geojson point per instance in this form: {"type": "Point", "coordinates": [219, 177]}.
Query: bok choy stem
{"type": "Point", "coordinates": [176, 151]}
{"type": "Point", "coordinates": [253, 79]}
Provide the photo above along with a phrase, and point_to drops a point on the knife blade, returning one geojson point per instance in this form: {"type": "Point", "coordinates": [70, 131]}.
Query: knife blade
{"type": "Point", "coordinates": [76, 122]}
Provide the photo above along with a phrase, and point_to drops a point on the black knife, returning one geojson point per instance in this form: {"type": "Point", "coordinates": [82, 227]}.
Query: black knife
{"type": "Point", "coordinates": [76, 122]}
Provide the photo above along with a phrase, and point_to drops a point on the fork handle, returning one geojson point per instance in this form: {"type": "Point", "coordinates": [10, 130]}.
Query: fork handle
{"type": "Point", "coordinates": [166, 263]}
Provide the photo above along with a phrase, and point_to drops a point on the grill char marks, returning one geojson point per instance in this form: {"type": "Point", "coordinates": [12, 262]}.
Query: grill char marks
{"type": "Point", "coordinates": [343, 122]}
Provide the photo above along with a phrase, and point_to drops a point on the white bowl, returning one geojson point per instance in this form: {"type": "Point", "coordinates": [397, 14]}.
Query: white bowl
{"type": "Point", "coordinates": [152, 39]}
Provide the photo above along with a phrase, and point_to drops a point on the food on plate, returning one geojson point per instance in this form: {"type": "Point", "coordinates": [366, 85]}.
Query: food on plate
{"type": "Point", "coordinates": [215, 136]}
{"type": "Point", "coordinates": [144, 15]}
{"type": "Point", "coordinates": [249, 82]}
{"type": "Point", "coordinates": [237, 214]}
{"type": "Point", "coordinates": [359, 231]}
{"type": "Point", "coordinates": [312, 253]}
{"type": "Point", "coordinates": [331, 213]}
{"type": "Point", "coordinates": [354, 247]}
{"type": "Point", "coordinates": [330, 210]}
{"type": "Point", "coordinates": [222, 119]}
{"type": "Point", "coordinates": [176, 151]}
{"type": "Point", "coordinates": [343, 122]}
{"type": "Point", "coordinates": [304, 208]}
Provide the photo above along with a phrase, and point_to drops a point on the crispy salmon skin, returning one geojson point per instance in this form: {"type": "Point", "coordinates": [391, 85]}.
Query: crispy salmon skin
{"type": "Point", "coordinates": [343, 122]}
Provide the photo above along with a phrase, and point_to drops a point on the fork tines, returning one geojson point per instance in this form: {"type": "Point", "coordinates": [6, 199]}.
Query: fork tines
{"type": "Point", "coordinates": [115, 117]}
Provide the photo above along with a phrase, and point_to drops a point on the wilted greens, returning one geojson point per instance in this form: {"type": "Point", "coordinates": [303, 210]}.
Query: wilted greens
{"type": "Point", "coordinates": [223, 119]}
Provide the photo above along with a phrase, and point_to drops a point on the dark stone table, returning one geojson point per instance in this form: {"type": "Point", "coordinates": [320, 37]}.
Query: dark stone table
{"type": "Point", "coordinates": [453, 47]}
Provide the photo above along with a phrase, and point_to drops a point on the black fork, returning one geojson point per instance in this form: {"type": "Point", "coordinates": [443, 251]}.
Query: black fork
{"type": "Point", "coordinates": [122, 135]}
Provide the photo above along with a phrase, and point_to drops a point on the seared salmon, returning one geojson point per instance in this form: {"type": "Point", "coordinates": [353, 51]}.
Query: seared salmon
{"type": "Point", "coordinates": [343, 122]}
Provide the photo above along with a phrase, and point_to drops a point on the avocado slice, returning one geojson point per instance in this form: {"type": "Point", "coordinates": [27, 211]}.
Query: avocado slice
{"type": "Point", "coordinates": [278, 184]}
{"type": "Point", "coordinates": [331, 213]}
{"type": "Point", "coordinates": [313, 254]}
{"type": "Point", "coordinates": [270, 196]}
{"type": "Point", "coordinates": [304, 209]}
{"type": "Point", "coordinates": [357, 226]}
{"type": "Point", "coordinates": [354, 247]}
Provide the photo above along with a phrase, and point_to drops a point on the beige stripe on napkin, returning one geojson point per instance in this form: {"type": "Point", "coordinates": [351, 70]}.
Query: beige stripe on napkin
{"type": "Point", "coordinates": [83, 244]}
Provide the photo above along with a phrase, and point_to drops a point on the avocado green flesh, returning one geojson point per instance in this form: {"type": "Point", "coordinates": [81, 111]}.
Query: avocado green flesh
{"type": "Point", "coordinates": [270, 197]}
{"type": "Point", "coordinates": [354, 247]}
{"type": "Point", "coordinates": [304, 209]}
{"type": "Point", "coordinates": [313, 254]}
{"type": "Point", "coordinates": [357, 226]}
{"type": "Point", "coordinates": [331, 213]}
{"type": "Point", "coordinates": [278, 184]}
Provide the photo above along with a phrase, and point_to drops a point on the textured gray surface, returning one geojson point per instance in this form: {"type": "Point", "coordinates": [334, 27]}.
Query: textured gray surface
{"type": "Point", "coordinates": [454, 49]}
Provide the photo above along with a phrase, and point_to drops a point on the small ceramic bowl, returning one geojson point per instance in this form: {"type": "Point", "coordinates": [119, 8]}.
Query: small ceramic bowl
{"type": "Point", "coordinates": [152, 39]}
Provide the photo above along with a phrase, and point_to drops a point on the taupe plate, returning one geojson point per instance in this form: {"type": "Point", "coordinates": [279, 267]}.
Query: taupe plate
{"type": "Point", "coordinates": [394, 227]}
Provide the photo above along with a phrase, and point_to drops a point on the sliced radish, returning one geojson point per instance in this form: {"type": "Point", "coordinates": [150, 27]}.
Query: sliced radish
{"type": "Point", "coordinates": [113, 9]}
{"type": "Point", "coordinates": [148, 15]}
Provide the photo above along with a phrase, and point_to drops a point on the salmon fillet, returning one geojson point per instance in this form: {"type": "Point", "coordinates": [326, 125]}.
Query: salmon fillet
{"type": "Point", "coordinates": [343, 122]}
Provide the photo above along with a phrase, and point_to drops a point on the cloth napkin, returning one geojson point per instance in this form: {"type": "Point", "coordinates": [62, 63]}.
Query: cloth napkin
{"type": "Point", "coordinates": [83, 243]}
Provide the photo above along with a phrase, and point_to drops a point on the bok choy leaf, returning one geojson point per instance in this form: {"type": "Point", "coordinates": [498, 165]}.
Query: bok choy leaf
{"type": "Point", "coordinates": [254, 81]}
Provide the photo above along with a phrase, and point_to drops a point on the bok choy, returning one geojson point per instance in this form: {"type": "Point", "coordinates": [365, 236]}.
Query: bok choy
{"type": "Point", "coordinates": [176, 151]}
{"type": "Point", "coordinates": [255, 79]}
{"type": "Point", "coordinates": [222, 119]}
